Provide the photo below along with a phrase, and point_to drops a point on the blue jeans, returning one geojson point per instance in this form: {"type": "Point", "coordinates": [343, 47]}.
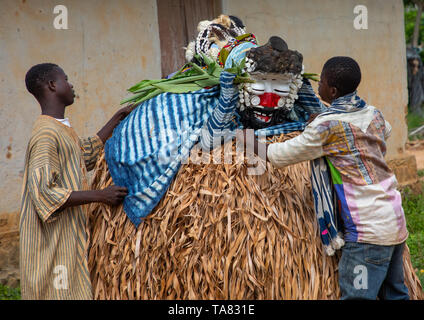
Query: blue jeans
{"type": "Point", "coordinates": [368, 271]}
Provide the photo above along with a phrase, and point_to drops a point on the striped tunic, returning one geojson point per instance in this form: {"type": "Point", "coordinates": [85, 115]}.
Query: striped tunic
{"type": "Point", "coordinates": [53, 245]}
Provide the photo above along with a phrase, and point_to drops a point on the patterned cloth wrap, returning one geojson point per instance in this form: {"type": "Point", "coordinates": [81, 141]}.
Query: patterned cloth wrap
{"type": "Point", "coordinates": [326, 209]}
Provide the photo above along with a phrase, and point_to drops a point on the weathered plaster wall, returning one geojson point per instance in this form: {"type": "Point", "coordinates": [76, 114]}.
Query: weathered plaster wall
{"type": "Point", "coordinates": [324, 28]}
{"type": "Point", "coordinates": [109, 46]}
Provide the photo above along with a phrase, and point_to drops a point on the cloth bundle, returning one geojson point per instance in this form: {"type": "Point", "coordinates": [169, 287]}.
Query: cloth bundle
{"type": "Point", "coordinates": [326, 206]}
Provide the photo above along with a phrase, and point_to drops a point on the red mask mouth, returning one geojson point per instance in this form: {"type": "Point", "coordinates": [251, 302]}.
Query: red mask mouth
{"type": "Point", "coordinates": [262, 117]}
{"type": "Point", "coordinates": [269, 100]}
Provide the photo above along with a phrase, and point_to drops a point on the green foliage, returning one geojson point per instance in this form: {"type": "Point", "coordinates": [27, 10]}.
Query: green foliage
{"type": "Point", "coordinates": [414, 121]}
{"type": "Point", "coordinates": [191, 77]}
{"type": "Point", "coordinates": [7, 293]}
{"type": "Point", "coordinates": [413, 206]}
{"type": "Point", "coordinates": [410, 16]}
{"type": "Point", "coordinates": [311, 76]}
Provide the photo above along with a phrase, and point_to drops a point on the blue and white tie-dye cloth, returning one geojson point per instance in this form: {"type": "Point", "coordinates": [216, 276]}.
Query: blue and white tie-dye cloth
{"type": "Point", "coordinates": [147, 148]}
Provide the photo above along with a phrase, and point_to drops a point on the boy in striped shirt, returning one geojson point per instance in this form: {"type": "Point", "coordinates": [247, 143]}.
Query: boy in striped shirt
{"type": "Point", "coordinates": [53, 220]}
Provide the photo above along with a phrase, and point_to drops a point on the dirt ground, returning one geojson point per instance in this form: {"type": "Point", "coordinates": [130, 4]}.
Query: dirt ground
{"type": "Point", "coordinates": [417, 148]}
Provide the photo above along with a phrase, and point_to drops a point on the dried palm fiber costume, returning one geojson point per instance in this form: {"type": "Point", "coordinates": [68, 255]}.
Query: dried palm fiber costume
{"type": "Point", "coordinates": [217, 232]}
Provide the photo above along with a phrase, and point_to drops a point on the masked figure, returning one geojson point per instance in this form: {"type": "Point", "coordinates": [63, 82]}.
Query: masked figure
{"type": "Point", "coordinates": [146, 150]}
{"type": "Point", "coordinates": [216, 232]}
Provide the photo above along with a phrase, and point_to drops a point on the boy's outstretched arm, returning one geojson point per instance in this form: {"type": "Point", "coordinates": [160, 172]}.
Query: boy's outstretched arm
{"type": "Point", "coordinates": [92, 146]}
{"type": "Point", "coordinates": [107, 129]}
{"type": "Point", "coordinates": [306, 146]}
{"type": "Point", "coordinates": [112, 195]}
{"type": "Point", "coordinates": [48, 195]}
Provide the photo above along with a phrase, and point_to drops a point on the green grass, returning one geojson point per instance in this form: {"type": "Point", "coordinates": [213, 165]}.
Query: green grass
{"type": "Point", "coordinates": [414, 121]}
{"type": "Point", "coordinates": [7, 293]}
{"type": "Point", "coordinates": [413, 206]}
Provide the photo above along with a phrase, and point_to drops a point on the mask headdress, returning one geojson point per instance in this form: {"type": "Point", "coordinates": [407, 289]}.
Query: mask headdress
{"type": "Point", "coordinates": [214, 35]}
{"type": "Point", "coordinates": [276, 69]}
{"type": "Point", "coordinates": [278, 74]}
{"type": "Point", "coordinates": [237, 26]}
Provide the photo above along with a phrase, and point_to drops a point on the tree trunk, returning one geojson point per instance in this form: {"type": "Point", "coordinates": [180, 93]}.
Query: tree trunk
{"type": "Point", "coordinates": [415, 36]}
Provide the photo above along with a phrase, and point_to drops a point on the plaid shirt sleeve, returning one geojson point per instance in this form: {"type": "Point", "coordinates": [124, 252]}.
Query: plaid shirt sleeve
{"type": "Point", "coordinates": [306, 146]}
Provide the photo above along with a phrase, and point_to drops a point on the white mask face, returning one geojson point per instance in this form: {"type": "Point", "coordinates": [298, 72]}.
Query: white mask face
{"type": "Point", "coordinates": [271, 83]}
{"type": "Point", "coordinates": [268, 93]}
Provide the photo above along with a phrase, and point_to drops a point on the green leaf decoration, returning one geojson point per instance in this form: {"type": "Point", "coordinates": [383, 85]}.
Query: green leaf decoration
{"type": "Point", "coordinates": [142, 84]}
{"type": "Point", "coordinates": [243, 63]}
{"type": "Point", "coordinates": [208, 61]}
{"type": "Point", "coordinates": [207, 83]}
{"type": "Point", "coordinates": [184, 81]}
{"type": "Point", "coordinates": [217, 72]}
{"type": "Point", "coordinates": [178, 88]}
{"type": "Point", "coordinates": [311, 76]}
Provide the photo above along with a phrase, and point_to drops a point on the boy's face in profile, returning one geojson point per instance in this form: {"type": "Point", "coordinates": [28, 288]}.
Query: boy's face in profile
{"type": "Point", "coordinates": [327, 93]}
{"type": "Point", "coordinates": [64, 90]}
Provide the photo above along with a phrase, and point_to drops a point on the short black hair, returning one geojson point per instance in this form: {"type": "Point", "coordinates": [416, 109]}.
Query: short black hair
{"type": "Point", "coordinates": [343, 73]}
{"type": "Point", "coordinates": [38, 75]}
